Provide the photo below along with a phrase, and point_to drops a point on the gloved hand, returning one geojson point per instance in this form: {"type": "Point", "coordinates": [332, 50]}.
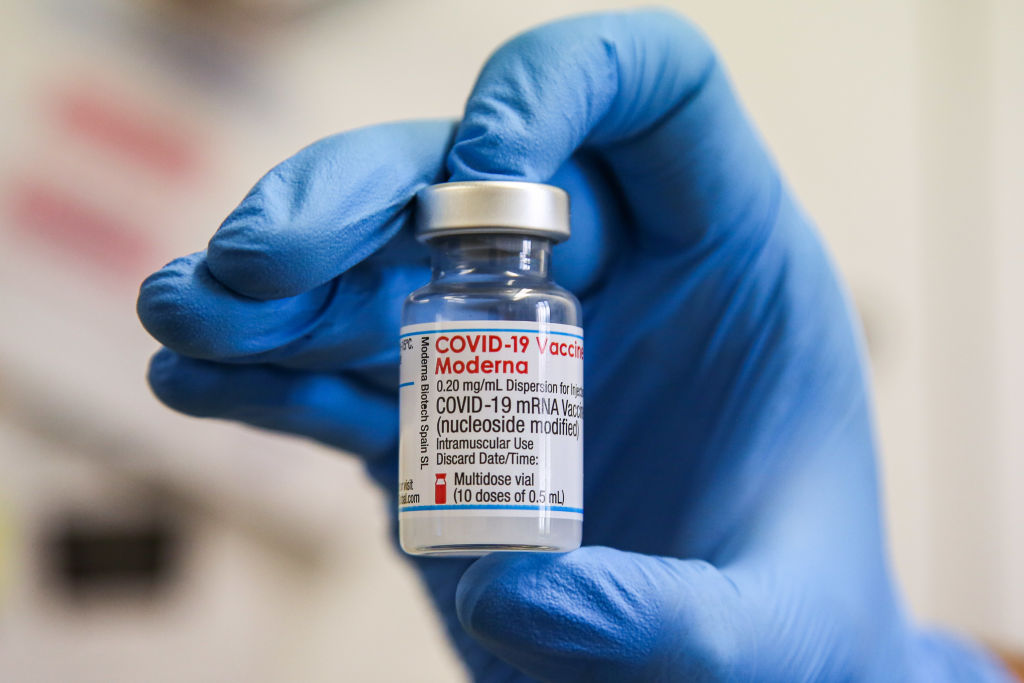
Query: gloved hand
{"type": "Point", "coordinates": [732, 519]}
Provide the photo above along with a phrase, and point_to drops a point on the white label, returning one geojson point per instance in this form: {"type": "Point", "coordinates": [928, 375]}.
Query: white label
{"type": "Point", "coordinates": [491, 419]}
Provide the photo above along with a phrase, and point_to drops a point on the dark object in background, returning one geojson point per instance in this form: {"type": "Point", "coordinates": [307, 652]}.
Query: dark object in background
{"type": "Point", "coordinates": [140, 557]}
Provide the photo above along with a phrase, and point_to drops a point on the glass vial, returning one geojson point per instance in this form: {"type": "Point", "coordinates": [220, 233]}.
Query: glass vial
{"type": "Point", "coordinates": [491, 388]}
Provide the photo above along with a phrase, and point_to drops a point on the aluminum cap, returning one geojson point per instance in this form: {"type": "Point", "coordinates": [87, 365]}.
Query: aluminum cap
{"type": "Point", "coordinates": [488, 207]}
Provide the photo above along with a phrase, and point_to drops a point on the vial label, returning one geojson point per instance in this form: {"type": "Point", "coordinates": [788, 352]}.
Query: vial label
{"type": "Point", "coordinates": [491, 419]}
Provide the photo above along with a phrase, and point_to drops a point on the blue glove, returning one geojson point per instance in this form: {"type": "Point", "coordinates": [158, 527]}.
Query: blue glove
{"type": "Point", "coordinates": [732, 529]}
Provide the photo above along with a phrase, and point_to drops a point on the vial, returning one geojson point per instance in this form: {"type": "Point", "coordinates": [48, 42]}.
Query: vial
{"type": "Point", "coordinates": [491, 387]}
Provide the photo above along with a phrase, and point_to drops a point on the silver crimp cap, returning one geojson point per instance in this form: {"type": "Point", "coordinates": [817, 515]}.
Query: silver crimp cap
{"type": "Point", "coordinates": [488, 207]}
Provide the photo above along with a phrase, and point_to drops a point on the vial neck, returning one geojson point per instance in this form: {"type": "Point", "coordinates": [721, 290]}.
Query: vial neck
{"type": "Point", "coordinates": [489, 257]}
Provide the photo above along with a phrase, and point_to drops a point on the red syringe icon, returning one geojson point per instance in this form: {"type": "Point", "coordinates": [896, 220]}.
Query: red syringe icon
{"type": "Point", "coordinates": [440, 489]}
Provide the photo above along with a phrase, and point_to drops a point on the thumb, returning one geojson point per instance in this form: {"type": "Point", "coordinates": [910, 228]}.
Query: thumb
{"type": "Point", "coordinates": [603, 614]}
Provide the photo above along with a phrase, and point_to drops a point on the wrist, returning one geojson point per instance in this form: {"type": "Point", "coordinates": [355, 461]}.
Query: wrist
{"type": "Point", "coordinates": [1013, 661]}
{"type": "Point", "coordinates": [940, 656]}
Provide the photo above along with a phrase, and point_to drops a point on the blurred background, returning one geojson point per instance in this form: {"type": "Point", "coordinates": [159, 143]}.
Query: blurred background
{"type": "Point", "coordinates": [137, 544]}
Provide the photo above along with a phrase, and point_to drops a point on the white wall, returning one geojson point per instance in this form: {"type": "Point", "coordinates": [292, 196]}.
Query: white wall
{"type": "Point", "coordinates": [1007, 144]}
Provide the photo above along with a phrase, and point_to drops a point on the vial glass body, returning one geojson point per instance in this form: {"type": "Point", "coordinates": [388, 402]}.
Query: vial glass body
{"type": "Point", "coordinates": [483, 286]}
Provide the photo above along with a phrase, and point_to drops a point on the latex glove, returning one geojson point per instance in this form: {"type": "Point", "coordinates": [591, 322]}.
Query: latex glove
{"type": "Point", "coordinates": [732, 514]}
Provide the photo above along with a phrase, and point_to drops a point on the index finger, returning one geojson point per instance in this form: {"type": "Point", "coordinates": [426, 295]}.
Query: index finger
{"type": "Point", "coordinates": [643, 88]}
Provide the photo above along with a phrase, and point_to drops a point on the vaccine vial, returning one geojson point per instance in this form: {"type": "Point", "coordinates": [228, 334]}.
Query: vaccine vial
{"type": "Point", "coordinates": [491, 387]}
